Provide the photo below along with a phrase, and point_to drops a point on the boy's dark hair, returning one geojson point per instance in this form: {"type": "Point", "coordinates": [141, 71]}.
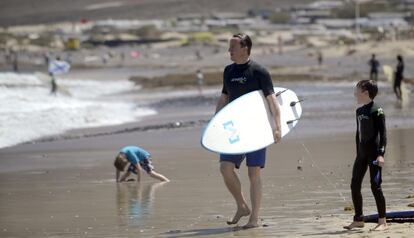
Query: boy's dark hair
{"type": "Point", "coordinates": [120, 163]}
{"type": "Point", "coordinates": [245, 41]}
{"type": "Point", "coordinates": [370, 86]}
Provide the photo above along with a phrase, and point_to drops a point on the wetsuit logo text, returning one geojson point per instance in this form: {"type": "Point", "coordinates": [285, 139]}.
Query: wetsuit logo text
{"type": "Point", "coordinates": [241, 80]}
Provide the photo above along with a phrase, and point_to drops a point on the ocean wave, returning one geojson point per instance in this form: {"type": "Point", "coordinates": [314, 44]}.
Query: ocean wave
{"type": "Point", "coordinates": [28, 111]}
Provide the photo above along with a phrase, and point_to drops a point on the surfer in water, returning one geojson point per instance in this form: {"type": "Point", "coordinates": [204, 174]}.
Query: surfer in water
{"type": "Point", "coordinates": [239, 78]}
{"type": "Point", "coordinates": [371, 139]}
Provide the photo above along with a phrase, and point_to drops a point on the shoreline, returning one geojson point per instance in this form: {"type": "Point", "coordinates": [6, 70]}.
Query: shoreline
{"type": "Point", "coordinates": [196, 110]}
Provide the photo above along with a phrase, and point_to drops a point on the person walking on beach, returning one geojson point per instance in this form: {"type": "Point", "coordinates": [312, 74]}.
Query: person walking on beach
{"type": "Point", "coordinates": [200, 81]}
{"type": "Point", "coordinates": [15, 61]}
{"type": "Point", "coordinates": [320, 57]}
{"type": "Point", "coordinates": [374, 64]}
{"type": "Point", "coordinates": [399, 76]}
{"type": "Point", "coordinates": [46, 58]}
{"type": "Point", "coordinates": [371, 139]}
{"type": "Point", "coordinates": [131, 159]}
{"type": "Point", "coordinates": [239, 78]}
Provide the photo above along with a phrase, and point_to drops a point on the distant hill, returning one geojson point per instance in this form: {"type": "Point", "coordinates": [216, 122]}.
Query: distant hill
{"type": "Point", "coordinates": [23, 12]}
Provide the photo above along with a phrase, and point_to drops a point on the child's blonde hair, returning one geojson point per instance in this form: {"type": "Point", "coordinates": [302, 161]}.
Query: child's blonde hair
{"type": "Point", "coordinates": [120, 162]}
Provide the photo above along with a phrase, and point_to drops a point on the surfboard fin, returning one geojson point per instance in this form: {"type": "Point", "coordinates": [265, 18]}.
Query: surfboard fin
{"type": "Point", "coordinates": [292, 104]}
{"type": "Point", "coordinates": [278, 93]}
{"type": "Point", "coordinates": [291, 121]}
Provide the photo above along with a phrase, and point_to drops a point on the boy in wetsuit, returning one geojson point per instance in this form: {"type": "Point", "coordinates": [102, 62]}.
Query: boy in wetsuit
{"type": "Point", "coordinates": [133, 158]}
{"type": "Point", "coordinates": [370, 141]}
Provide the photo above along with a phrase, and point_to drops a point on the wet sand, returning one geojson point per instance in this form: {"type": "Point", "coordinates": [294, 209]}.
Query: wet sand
{"type": "Point", "coordinates": [66, 187]}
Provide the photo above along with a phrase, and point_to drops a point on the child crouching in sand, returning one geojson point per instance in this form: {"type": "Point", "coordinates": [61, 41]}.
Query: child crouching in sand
{"type": "Point", "coordinates": [130, 160]}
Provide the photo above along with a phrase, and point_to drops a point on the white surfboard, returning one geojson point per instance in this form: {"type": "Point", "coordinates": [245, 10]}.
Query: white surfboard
{"type": "Point", "coordinates": [57, 67]}
{"type": "Point", "coordinates": [389, 73]}
{"type": "Point", "coordinates": [246, 124]}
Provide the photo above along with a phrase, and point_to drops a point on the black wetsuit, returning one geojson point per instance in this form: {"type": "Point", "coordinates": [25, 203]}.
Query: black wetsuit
{"type": "Point", "coordinates": [399, 76]}
{"type": "Point", "coordinates": [239, 79]}
{"type": "Point", "coordinates": [399, 73]}
{"type": "Point", "coordinates": [374, 69]}
{"type": "Point", "coordinates": [370, 141]}
{"type": "Point", "coordinates": [54, 87]}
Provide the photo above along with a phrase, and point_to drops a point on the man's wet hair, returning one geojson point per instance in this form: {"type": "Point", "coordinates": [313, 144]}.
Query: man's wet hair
{"type": "Point", "coordinates": [245, 41]}
{"type": "Point", "coordinates": [370, 86]}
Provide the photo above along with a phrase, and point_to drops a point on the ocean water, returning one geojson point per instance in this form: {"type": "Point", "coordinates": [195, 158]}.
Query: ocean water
{"type": "Point", "coordinates": [329, 107]}
{"type": "Point", "coordinates": [28, 111]}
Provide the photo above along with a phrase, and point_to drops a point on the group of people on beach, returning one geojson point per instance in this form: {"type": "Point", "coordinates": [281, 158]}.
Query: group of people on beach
{"type": "Point", "coordinates": [398, 75]}
{"type": "Point", "coordinates": [245, 75]}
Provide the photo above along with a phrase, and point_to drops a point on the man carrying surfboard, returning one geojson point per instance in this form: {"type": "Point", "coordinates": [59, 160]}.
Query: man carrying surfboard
{"type": "Point", "coordinates": [57, 67]}
{"type": "Point", "coordinates": [399, 76]}
{"type": "Point", "coordinates": [239, 78]}
{"type": "Point", "coordinates": [370, 139]}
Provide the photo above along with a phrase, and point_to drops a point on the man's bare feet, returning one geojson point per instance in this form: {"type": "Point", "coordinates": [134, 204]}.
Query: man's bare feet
{"type": "Point", "coordinates": [250, 225]}
{"type": "Point", "coordinates": [241, 212]}
{"type": "Point", "coordinates": [380, 227]}
{"type": "Point", "coordinates": [355, 224]}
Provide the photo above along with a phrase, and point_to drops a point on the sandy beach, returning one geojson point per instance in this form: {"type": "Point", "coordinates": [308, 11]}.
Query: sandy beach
{"type": "Point", "coordinates": [64, 186]}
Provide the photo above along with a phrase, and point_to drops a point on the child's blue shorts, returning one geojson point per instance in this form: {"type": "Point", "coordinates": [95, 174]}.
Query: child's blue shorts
{"type": "Point", "coordinates": [253, 159]}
